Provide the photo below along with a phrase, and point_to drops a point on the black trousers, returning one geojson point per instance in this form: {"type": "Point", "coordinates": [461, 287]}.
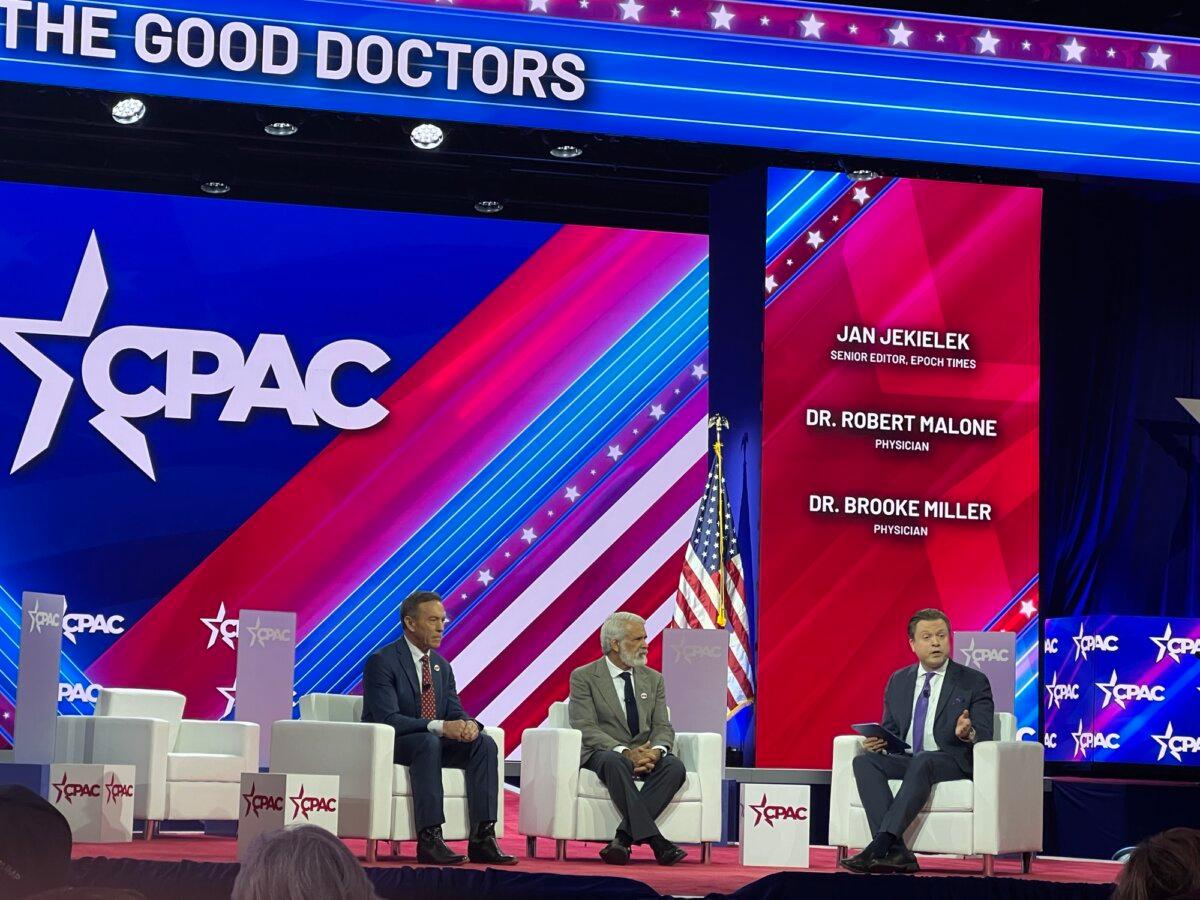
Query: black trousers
{"type": "Point", "coordinates": [427, 754]}
{"type": "Point", "coordinates": [638, 809]}
{"type": "Point", "coordinates": [918, 775]}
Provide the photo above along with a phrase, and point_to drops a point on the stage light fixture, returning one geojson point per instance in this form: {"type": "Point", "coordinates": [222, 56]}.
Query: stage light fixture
{"type": "Point", "coordinates": [427, 136]}
{"type": "Point", "coordinates": [215, 187]}
{"type": "Point", "coordinates": [281, 129]}
{"type": "Point", "coordinates": [862, 175]}
{"type": "Point", "coordinates": [566, 151]}
{"type": "Point", "coordinates": [489, 206]}
{"type": "Point", "coordinates": [128, 111]}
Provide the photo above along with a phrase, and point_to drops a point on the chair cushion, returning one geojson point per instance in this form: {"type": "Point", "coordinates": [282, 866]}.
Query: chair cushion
{"type": "Point", "coordinates": [223, 767]}
{"type": "Point", "coordinates": [591, 786]}
{"type": "Point", "coordinates": [454, 782]}
{"type": "Point", "coordinates": [946, 796]}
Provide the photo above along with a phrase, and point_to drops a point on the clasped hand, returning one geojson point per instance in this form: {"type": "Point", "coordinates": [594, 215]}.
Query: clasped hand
{"type": "Point", "coordinates": [465, 730]}
{"type": "Point", "coordinates": [644, 758]}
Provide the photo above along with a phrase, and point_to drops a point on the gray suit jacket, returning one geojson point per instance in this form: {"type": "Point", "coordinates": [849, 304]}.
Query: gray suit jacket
{"type": "Point", "coordinates": [596, 711]}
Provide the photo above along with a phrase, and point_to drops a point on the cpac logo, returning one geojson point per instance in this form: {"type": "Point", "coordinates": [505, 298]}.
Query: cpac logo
{"type": "Point", "coordinates": [1090, 740]}
{"type": "Point", "coordinates": [86, 623]}
{"type": "Point", "coordinates": [267, 378]}
{"type": "Point", "coordinates": [1050, 645]}
{"type": "Point", "coordinates": [1120, 694]}
{"type": "Point", "coordinates": [78, 693]}
{"type": "Point", "coordinates": [1056, 693]}
{"type": "Point", "coordinates": [764, 812]}
{"type": "Point", "coordinates": [115, 791]}
{"type": "Point", "coordinates": [256, 803]}
{"type": "Point", "coordinates": [1175, 744]}
{"type": "Point", "coordinates": [261, 635]}
{"type": "Point", "coordinates": [1050, 740]}
{"type": "Point", "coordinates": [302, 805]}
{"type": "Point", "coordinates": [220, 627]}
{"type": "Point", "coordinates": [39, 618]}
{"type": "Point", "coordinates": [694, 652]}
{"type": "Point", "coordinates": [68, 790]}
{"type": "Point", "coordinates": [1174, 647]}
{"type": "Point", "coordinates": [1086, 643]}
{"type": "Point", "coordinates": [976, 657]}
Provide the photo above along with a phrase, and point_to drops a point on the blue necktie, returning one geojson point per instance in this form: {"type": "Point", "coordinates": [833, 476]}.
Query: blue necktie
{"type": "Point", "coordinates": [920, 714]}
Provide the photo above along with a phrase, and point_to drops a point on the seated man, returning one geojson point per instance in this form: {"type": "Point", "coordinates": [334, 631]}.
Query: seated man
{"type": "Point", "coordinates": [621, 708]}
{"type": "Point", "coordinates": [941, 709]}
{"type": "Point", "coordinates": [410, 687]}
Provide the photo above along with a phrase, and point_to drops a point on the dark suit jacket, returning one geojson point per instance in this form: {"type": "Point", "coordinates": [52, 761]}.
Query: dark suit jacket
{"type": "Point", "coordinates": [963, 688]}
{"type": "Point", "coordinates": [392, 689]}
{"type": "Point", "coordinates": [595, 710]}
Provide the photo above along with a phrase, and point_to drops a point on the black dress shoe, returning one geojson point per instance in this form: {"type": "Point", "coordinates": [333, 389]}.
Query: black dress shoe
{"type": "Point", "coordinates": [666, 853]}
{"type": "Point", "coordinates": [859, 862]}
{"type": "Point", "coordinates": [432, 849]}
{"type": "Point", "coordinates": [898, 859]}
{"type": "Point", "coordinates": [615, 852]}
{"type": "Point", "coordinates": [482, 848]}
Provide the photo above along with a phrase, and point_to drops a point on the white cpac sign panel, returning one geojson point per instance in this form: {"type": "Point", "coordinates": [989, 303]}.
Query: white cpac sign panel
{"type": "Point", "coordinates": [775, 825]}
{"type": "Point", "coordinates": [307, 399]}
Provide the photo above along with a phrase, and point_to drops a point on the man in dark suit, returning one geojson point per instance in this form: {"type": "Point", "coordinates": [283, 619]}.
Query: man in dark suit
{"type": "Point", "coordinates": [620, 706]}
{"type": "Point", "coordinates": [410, 687]}
{"type": "Point", "coordinates": [941, 709]}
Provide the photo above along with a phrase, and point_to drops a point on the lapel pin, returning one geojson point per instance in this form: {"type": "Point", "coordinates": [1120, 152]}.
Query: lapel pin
{"type": "Point", "coordinates": [437, 667]}
{"type": "Point", "coordinates": [644, 695]}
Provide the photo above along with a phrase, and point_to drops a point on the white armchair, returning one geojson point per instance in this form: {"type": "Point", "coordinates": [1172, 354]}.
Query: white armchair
{"type": "Point", "coordinates": [185, 768]}
{"type": "Point", "coordinates": [1000, 811]}
{"type": "Point", "coordinates": [562, 801]}
{"type": "Point", "coordinates": [375, 795]}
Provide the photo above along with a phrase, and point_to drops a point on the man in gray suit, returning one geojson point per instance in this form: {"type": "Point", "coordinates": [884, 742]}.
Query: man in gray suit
{"type": "Point", "coordinates": [621, 708]}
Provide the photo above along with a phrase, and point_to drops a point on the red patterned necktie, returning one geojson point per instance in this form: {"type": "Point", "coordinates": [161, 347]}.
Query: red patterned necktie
{"type": "Point", "coordinates": [428, 702]}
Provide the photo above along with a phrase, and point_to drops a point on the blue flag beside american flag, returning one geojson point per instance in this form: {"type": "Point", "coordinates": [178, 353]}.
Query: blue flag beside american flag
{"type": "Point", "coordinates": [712, 590]}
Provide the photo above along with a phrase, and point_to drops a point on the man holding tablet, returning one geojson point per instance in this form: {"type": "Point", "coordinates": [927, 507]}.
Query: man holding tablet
{"type": "Point", "coordinates": [941, 710]}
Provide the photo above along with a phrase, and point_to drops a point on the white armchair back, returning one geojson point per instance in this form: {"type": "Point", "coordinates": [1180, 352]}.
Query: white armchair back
{"type": "Point", "coordinates": [331, 708]}
{"type": "Point", "coordinates": [144, 704]}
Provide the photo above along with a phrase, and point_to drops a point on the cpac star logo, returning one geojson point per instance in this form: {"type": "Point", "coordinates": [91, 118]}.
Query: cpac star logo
{"type": "Point", "coordinates": [115, 791]}
{"type": "Point", "coordinates": [268, 377]}
{"type": "Point", "coordinates": [770, 812]}
{"type": "Point", "coordinates": [1056, 693]}
{"type": "Point", "coordinates": [1174, 647]}
{"type": "Point", "coordinates": [302, 805]}
{"type": "Point", "coordinates": [69, 790]}
{"type": "Point", "coordinates": [975, 658]}
{"type": "Point", "coordinates": [39, 619]}
{"type": "Point", "coordinates": [261, 635]}
{"type": "Point", "coordinates": [1090, 740]}
{"type": "Point", "coordinates": [256, 803]}
{"type": "Point", "coordinates": [1120, 693]}
{"type": "Point", "coordinates": [1085, 643]}
{"type": "Point", "coordinates": [1175, 744]}
{"type": "Point", "coordinates": [221, 628]}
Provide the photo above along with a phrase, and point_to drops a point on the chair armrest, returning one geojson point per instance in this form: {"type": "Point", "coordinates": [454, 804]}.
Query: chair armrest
{"type": "Point", "coordinates": [842, 787]}
{"type": "Point", "coordinates": [359, 753]}
{"type": "Point", "coordinates": [234, 738]}
{"type": "Point", "coordinates": [549, 781]}
{"type": "Point", "coordinates": [497, 735]}
{"type": "Point", "coordinates": [1008, 796]}
{"type": "Point", "coordinates": [122, 740]}
{"type": "Point", "coordinates": [703, 753]}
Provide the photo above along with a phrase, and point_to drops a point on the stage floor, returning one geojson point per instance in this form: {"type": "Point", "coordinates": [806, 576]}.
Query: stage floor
{"type": "Point", "coordinates": [689, 878]}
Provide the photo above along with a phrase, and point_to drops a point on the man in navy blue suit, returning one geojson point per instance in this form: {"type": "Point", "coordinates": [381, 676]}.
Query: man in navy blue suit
{"type": "Point", "coordinates": [411, 687]}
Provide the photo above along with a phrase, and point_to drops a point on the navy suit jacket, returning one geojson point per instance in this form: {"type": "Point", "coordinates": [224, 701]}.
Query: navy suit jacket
{"type": "Point", "coordinates": [392, 689]}
{"type": "Point", "coordinates": [963, 688]}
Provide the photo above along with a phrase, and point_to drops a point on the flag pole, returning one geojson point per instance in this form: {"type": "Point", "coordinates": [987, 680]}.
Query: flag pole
{"type": "Point", "coordinates": [719, 422]}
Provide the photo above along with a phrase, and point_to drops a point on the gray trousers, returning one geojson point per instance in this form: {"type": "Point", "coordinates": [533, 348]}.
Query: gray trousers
{"type": "Point", "coordinates": [918, 775]}
{"type": "Point", "coordinates": [638, 809]}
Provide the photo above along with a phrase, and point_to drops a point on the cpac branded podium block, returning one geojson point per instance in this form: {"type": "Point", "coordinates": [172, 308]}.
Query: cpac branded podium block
{"type": "Point", "coordinates": [775, 825]}
{"type": "Point", "coordinates": [271, 801]}
{"type": "Point", "coordinates": [96, 799]}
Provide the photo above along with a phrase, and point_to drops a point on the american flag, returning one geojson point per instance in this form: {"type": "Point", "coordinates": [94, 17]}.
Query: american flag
{"type": "Point", "coordinates": [698, 600]}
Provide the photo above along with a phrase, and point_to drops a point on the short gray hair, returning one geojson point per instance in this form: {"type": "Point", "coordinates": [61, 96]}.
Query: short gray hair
{"type": "Point", "coordinates": [615, 627]}
{"type": "Point", "coordinates": [298, 864]}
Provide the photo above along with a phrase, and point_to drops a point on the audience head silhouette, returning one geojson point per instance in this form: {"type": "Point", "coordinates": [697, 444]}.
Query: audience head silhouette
{"type": "Point", "coordinates": [299, 864]}
{"type": "Point", "coordinates": [1163, 867]}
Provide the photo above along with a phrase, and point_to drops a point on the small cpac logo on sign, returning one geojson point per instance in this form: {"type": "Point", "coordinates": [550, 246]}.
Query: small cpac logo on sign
{"type": "Point", "coordinates": [977, 656]}
{"type": "Point", "coordinates": [769, 813]}
{"type": "Point", "coordinates": [1175, 744]}
{"type": "Point", "coordinates": [1119, 694]}
{"type": "Point", "coordinates": [256, 802]}
{"type": "Point", "coordinates": [68, 790]}
{"type": "Point", "coordinates": [1086, 643]}
{"type": "Point", "coordinates": [39, 619]}
{"type": "Point", "coordinates": [1090, 740]}
{"type": "Point", "coordinates": [116, 791]}
{"type": "Point", "coordinates": [302, 805]}
{"type": "Point", "coordinates": [261, 635]}
{"type": "Point", "coordinates": [694, 652]}
{"type": "Point", "coordinates": [1056, 693]}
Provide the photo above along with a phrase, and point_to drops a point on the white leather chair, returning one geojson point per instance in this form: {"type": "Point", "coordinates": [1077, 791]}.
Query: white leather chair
{"type": "Point", "coordinates": [1000, 811]}
{"type": "Point", "coordinates": [375, 795]}
{"type": "Point", "coordinates": [562, 801]}
{"type": "Point", "coordinates": [185, 768]}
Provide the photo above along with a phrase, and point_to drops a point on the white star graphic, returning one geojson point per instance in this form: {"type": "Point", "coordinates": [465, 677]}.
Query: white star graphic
{"type": "Point", "coordinates": [900, 34]}
{"type": "Point", "coordinates": [674, 12]}
{"type": "Point", "coordinates": [1028, 610]}
{"type": "Point", "coordinates": [698, 371]}
{"type": "Point", "coordinates": [814, 239]}
{"type": "Point", "coordinates": [572, 493]}
{"type": "Point", "coordinates": [1107, 687]}
{"type": "Point", "coordinates": [1157, 58]}
{"type": "Point", "coordinates": [631, 9]}
{"type": "Point", "coordinates": [1051, 699]}
{"type": "Point", "coordinates": [615, 452]}
{"type": "Point", "coordinates": [528, 535]}
{"type": "Point", "coordinates": [507, 555]}
{"type": "Point", "coordinates": [635, 431]}
{"type": "Point", "coordinates": [986, 42]}
{"type": "Point", "coordinates": [1078, 734]}
{"type": "Point", "coordinates": [1111, 53]}
{"type": "Point", "coordinates": [677, 391]}
{"type": "Point", "coordinates": [770, 283]}
{"type": "Point", "coordinates": [853, 29]}
{"type": "Point", "coordinates": [1072, 52]}
{"type": "Point", "coordinates": [837, 219]}
{"type": "Point", "coordinates": [861, 196]}
{"type": "Point", "coordinates": [721, 17]}
{"type": "Point", "coordinates": [485, 577]}
{"type": "Point", "coordinates": [656, 412]}
{"type": "Point", "coordinates": [812, 26]}
{"type": "Point", "coordinates": [592, 472]}
{"type": "Point", "coordinates": [1164, 743]}
{"type": "Point", "coordinates": [1164, 646]}
{"type": "Point", "coordinates": [790, 262]}
{"type": "Point", "coordinates": [228, 693]}
{"type": "Point", "coordinates": [940, 37]}
{"type": "Point", "coordinates": [7, 714]}
{"type": "Point", "coordinates": [215, 631]}
{"type": "Point", "coordinates": [584, 4]}
{"type": "Point", "coordinates": [764, 21]}
{"type": "Point", "coordinates": [1078, 639]}
{"type": "Point", "coordinates": [538, 5]}
{"type": "Point", "coordinates": [550, 512]}
{"type": "Point", "coordinates": [1026, 45]}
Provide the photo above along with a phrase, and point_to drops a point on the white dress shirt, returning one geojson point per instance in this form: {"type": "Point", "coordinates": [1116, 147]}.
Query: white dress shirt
{"type": "Point", "coordinates": [935, 691]}
{"type": "Point", "coordinates": [619, 686]}
{"type": "Point", "coordinates": [435, 725]}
